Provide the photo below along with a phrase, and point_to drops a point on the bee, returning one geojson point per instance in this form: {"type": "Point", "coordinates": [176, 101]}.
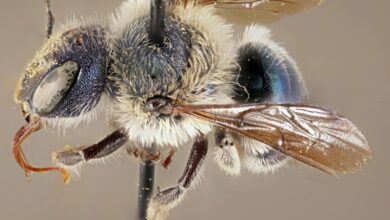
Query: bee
{"type": "Point", "coordinates": [194, 85]}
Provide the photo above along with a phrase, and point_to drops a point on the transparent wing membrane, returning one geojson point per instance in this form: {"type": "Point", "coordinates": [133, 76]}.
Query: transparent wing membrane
{"type": "Point", "coordinates": [258, 11]}
{"type": "Point", "coordinates": [313, 135]}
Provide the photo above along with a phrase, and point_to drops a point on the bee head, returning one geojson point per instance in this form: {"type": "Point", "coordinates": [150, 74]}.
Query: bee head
{"type": "Point", "coordinates": [67, 76]}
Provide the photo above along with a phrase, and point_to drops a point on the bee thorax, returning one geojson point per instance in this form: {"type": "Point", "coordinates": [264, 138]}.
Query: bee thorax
{"type": "Point", "coordinates": [192, 65]}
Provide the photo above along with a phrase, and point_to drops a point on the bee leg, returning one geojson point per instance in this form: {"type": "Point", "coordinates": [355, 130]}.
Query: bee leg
{"type": "Point", "coordinates": [165, 200]}
{"type": "Point", "coordinates": [226, 154]}
{"type": "Point", "coordinates": [168, 160]}
{"type": "Point", "coordinates": [75, 156]}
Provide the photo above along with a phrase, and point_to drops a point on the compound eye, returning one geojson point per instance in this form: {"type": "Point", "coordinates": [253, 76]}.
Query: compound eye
{"type": "Point", "coordinates": [54, 87]}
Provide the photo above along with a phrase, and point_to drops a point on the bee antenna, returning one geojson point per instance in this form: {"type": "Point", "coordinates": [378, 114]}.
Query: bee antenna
{"type": "Point", "coordinates": [50, 19]}
{"type": "Point", "coordinates": [157, 16]}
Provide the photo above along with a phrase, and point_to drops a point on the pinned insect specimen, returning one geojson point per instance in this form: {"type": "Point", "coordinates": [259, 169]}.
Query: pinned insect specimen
{"type": "Point", "coordinates": [190, 85]}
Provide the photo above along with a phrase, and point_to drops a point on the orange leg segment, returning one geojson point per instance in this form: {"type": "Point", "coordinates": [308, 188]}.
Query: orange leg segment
{"type": "Point", "coordinates": [21, 135]}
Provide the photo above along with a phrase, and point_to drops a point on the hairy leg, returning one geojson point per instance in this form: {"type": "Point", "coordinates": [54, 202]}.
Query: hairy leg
{"type": "Point", "coordinates": [226, 154]}
{"type": "Point", "coordinates": [165, 200]}
{"type": "Point", "coordinates": [76, 156]}
{"type": "Point", "coordinates": [234, 152]}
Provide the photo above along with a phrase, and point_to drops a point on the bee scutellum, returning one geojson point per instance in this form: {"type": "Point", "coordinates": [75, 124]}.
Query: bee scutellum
{"type": "Point", "coordinates": [244, 99]}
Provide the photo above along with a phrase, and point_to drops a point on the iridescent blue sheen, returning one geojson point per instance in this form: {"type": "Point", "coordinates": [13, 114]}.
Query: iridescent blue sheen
{"type": "Point", "coordinates": [282, 80]}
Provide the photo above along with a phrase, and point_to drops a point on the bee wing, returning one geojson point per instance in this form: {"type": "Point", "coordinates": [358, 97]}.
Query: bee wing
{"type": "Point", "coordinates": [313, 135]}
{"type": "Point", "coordinates": [259, 11]}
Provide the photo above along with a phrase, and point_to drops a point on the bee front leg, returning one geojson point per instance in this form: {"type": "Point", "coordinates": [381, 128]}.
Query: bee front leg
{"type": "Point", "coordinates": [75, 156]}
{"type": "Point", "coordinates": [165, 200]}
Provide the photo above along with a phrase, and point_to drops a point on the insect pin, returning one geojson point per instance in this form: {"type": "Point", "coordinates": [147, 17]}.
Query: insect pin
{"type": "Point", "coordinates": [173, 78]}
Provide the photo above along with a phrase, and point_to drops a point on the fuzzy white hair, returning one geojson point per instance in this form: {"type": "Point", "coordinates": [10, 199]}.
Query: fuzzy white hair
{"type": "Point", "coordinates": [251, 162]}
{"type": "Point", "coordinates": [145, 130]}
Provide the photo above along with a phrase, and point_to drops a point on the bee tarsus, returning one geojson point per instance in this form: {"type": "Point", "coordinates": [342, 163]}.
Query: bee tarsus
{"type": "Point", "coordinates": [167, 199]}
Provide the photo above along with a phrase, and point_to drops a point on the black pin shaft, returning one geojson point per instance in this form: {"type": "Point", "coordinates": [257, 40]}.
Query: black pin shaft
{"type": "Point", "coordinates": [157, 23]}
{"type": "Point", "coordinates": [147, 168]}
{"type": "Point", "coordinates": [145, 188]}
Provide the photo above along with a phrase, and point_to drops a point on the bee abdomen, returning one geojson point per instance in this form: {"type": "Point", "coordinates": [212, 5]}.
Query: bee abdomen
{"type": "Point", "coordinates": [266, 72]}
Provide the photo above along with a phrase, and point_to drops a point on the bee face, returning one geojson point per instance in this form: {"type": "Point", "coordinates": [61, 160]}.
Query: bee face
{"type": "Point", "coordinates": [67, 76]}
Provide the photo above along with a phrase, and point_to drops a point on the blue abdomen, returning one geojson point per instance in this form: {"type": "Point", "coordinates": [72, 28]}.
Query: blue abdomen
{"type": "Point", "coordinates": [267, 74]}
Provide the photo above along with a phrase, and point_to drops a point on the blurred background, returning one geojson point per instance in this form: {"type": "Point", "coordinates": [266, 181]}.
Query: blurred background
{"type": "Point", "coordinates": [343, 50]}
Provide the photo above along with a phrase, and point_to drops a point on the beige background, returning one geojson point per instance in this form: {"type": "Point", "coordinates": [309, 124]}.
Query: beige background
{"type": "Point", "coordinates": [343, 50]}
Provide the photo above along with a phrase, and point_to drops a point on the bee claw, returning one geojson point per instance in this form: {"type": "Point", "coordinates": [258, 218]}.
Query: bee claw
{"type": "Point", "coordinates": [168, 160]}
{"type": "Point", "coordinates": [65, 175]}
